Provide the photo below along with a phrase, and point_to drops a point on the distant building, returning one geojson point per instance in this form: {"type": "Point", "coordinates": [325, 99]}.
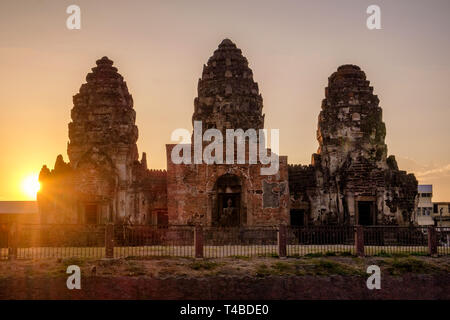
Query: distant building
{"type": "Point", "coordinates": [19, 211]}
{"type": "Point", "coordinates": [425, 205]}
{"type": "Point", "coordinates": [441, 214]}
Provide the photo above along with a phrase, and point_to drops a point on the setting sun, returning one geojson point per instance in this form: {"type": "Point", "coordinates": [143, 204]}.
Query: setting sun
{"type": "Point", "coordinates": [30, 185]}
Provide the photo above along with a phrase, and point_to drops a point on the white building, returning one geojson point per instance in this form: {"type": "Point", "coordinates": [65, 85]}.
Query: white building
{"type": "Point", "coordinates": [441, 214]}
{"type": "Point", "coordinates": [425, 206]}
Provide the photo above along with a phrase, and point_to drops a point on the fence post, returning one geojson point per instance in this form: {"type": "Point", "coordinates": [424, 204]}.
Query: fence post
{"type": "Point", "coordinates": [359, 240]}
{"type": "Point", "coordinates": [12, 241]}
{"type": "Point", "coordinates": [109, 241]}
{"type": "Point", "coordinates": [282, 235]}
{"type": "Point", "coordinates": [432, 241]}
{"type": "Point", "coordinates": [198, 241]}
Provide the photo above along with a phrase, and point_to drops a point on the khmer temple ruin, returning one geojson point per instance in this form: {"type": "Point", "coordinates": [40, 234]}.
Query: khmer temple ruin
{"type": "Point", "coordinates": [228, 98]}
{"type": "Point", "coordinates": [104, 179]}
{"type": "Point", "coordinates": [351, 179]}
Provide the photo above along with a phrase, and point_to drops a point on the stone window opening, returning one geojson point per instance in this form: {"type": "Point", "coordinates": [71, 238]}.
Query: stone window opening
{"type": "Point", "coordinates": [228, 206]}
{"type": "Point", "coordinates": [366, 213]}
{"type": "Point", "coordinates": [91, 213]}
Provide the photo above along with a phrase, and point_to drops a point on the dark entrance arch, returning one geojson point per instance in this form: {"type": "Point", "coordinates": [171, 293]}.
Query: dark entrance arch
{"type": "Point", "coordinates": [227, 211]}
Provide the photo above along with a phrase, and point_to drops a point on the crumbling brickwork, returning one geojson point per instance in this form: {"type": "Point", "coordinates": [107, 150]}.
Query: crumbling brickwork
{"type": "Point", "coordinates": [104, 179]}
{"type": "Point", "coordinates": [228, 98]}
{"type": "Point", "coordinates": [351, 180]}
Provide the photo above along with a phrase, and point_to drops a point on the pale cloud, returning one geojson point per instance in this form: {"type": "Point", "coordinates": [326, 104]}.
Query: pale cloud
{"type": "Point", "coordinates": [412, 165]}
{"type": "Point", "coordinates": [439, 172]}
{"type": "Point", "coordinates": [437, 175]}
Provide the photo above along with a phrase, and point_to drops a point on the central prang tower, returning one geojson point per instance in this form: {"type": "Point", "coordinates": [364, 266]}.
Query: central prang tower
{"type": "Point", "coordinates": [227, 194]}
{"type": "Point", "coordinates": [228, 98]}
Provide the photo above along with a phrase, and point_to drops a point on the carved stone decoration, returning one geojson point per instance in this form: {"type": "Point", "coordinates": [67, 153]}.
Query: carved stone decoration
{"type": "Point", "coordinates": [228, 97]}
{"type": "Point", "coordinates": [351, 180]}
{"type": "Point", "coordinates": [104, 180]}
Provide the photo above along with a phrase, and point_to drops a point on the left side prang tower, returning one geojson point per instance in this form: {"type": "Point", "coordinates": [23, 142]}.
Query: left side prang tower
{"type": "Point", "coordinates": [104, 179]}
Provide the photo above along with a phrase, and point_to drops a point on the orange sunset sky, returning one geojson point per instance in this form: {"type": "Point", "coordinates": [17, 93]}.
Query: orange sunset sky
{"type": "Point", "coordinates": [160, 47]}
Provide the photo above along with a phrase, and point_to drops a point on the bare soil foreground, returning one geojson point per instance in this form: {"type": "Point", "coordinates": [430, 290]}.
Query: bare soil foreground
{"type": "Point", "coordinates": [313, 277]}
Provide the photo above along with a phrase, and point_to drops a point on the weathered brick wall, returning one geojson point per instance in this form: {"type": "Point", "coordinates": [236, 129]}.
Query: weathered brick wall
{"type": "Point", "coordinates": [351, 164]}
{"type": "Point", "coordinates": [192, 192]}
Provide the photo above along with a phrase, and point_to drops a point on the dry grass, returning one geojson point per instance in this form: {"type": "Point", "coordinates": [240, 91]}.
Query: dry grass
{"type": "Point", "coordinates": [237, 266]}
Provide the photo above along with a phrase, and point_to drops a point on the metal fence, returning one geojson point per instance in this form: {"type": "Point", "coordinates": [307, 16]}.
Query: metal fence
{"type": "Point", "coordinates": [380, 240]}
{"type": "Point", "coordinates": [320, 240]}
{"type": "Point", "coordinates": [443, 240]}
{"type": "Point", "coordinates": [144, 240]}
{"type": "Point", "coordinates": [36, 241]}
{"type": "Point", "coordinates": [28, 241]}
{"type": "Point", "coordinates": [4, 229]}
{"type": "Point", "coordinates": [248, 241]}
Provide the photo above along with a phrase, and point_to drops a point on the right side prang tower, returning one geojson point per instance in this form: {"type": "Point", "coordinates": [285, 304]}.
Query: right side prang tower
{"type": "Point", "coordinates": [351, 180]}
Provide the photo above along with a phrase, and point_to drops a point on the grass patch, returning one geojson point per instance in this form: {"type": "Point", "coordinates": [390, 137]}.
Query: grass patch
{"type": "Point", "coordinates": [268, 255]}
{"type": "Point", "coordinates": [134, 269]}
{"type": "Point", "coordinates": [262, 270]}
{"type": "Point", "coordinates": [73, 261]}
{"type": "Point", "coordinates": [282, 267]}
{"type": "Point", "coordinates": [419, 254]}
{"type": "Point", "coordinates": [110, 262]}
{"type": "Point", "coordinates": [320, 267]}
{"type": "Point", "coordinates": [204, 265]}
{"type": "Point", "coordinates": [411, 265]}
{"type": "Point", "coordinates": [148, 257]}
{"type": "Point", "coordinates": [240, 257]}
{"type": "Point", "coordinates": [324, 267]}
{"type": "Point", "coordinates": [314, 255]}
{"type": "Point", "coordinates": [400, 254]}
{"type": "Point", "coordinates": [385, 254]}
{"type": "Point", "coordinates": [382, 253]}
{"type": "Point", "coordinates": [320, 254]}
{"type": "Point", "coordinates": [279, 269]}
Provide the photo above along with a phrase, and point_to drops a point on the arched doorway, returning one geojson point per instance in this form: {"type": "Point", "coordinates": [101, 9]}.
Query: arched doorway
{"type": "Point", "coordinates": [227, 211]}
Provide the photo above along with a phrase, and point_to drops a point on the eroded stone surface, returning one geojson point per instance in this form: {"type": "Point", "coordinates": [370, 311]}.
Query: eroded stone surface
{"type": "Point", "coordinates": [350, 180]}
{"type": "Point", "coordinates": [351, 171]}
{"type": "Point", "coordinates": [228, 98]}
{"type": "Point", "coordinates": [104, 179]}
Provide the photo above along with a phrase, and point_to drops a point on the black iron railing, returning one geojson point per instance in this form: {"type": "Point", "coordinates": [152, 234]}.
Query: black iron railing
{"type": "Point", "coordinates": [35, 241]}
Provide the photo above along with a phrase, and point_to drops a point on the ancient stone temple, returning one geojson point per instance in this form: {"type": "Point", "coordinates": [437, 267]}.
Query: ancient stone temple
{"type": "Point", "coordinates": [227, 194]}
{"type": "Point", "coordinates": [351, 180]}
{"type": "Point", "coordinates": [104, 179]}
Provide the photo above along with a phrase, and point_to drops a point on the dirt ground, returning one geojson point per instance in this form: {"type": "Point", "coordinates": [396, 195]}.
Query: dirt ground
{"type": "Point", "coordinates": [314, 277]}
{"type": "Point", "coordinates": [162, 267]}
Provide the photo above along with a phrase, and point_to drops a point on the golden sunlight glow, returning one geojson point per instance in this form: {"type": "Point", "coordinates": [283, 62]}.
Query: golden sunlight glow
{"type": "Point", "coordinates": [30, 185]}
